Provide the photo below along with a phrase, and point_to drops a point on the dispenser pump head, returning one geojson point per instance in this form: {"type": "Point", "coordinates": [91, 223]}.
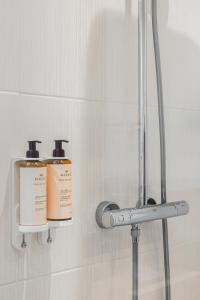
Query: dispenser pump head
{"type": "Point", "coordinates": [33, 152]}
{"type": "Point", "coordinates": [59, 151]}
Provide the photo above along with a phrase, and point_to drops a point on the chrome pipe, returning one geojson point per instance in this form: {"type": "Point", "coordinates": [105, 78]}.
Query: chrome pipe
{"type": "Point", "coordinates": [142, 134]}
{"type": "Point", "coordinates": [135, 234]}
{"type": "Point", "coordinates": [142, 93]}
{"type": "Point", "coordinates": [108, 218]}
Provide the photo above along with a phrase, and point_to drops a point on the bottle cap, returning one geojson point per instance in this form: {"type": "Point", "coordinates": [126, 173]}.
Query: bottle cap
{"type": "Point", "coordinates": [33, 152]}
{"type": "Point", "coordinates": [59, 151]}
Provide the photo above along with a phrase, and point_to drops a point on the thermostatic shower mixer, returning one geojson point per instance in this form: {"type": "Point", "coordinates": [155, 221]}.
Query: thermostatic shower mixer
{"type": "Point", "coordinates": [108, 214]}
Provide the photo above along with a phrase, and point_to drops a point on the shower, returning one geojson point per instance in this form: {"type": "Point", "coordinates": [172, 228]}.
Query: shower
{"type": "Point", "coordinates": [109, 214]}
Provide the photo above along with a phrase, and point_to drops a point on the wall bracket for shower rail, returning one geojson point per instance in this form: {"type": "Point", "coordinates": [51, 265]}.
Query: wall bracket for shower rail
{"type": "Point", "coordinates": [109, 215]}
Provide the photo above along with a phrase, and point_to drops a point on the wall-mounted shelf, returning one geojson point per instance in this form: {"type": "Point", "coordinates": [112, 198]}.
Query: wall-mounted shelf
{"type": "Point", "coordinates": [21, 235]}
{"type": "Point", "coordinates": [32, 229]}
{"type": "Point", "coordinates": [59, 224]}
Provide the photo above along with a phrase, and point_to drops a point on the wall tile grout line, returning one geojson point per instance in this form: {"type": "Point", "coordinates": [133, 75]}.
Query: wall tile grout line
{"type": "Point", "coordinates": [100, 101]}
{"type": "Point", "coordinates": [50, 274]}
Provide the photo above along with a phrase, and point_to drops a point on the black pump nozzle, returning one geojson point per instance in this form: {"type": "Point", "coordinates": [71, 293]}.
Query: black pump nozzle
{"type": "Point", "coordinates": [59, 151]}
{"type": "Point", "coordinates": [33, 152]}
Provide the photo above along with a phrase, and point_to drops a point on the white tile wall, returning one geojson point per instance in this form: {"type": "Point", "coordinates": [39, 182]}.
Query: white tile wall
{"type": "Point", "coordinates": [69, 69]}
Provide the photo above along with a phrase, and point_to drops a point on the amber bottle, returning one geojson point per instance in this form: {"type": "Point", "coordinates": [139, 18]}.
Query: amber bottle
{"type": "Point", "coordinates": [33, 188]}
{"type": "Point", "coordinates": [59, 185]}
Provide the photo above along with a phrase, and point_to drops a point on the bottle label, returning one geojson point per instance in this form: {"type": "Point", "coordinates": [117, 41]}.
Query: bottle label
{"type": "Point", "coordinates": [59, 191]}
{"type": "Point", "coordinates": [33, 196]}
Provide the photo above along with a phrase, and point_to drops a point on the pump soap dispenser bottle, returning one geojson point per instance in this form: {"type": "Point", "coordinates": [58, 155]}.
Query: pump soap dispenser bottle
{"type": "Point", "coordinates": [33, 188]}
{"type": "Point", "coordinates": [59, 191]}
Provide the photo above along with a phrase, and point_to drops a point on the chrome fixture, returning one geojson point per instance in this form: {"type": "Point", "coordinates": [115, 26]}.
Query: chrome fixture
{"type": "Point", "coordinates": [109, 215]}
{"type": "Point", "coordinates": [142, 138]}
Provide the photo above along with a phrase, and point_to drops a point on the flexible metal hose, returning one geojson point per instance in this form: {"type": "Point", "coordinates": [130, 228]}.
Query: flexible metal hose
{"type": "Point", "coordinates": [162, 145]}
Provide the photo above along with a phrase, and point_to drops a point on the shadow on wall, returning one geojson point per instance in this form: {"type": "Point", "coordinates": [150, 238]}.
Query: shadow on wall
{"type": "Point", "coordinates": [180, 64]}
{"type": "Point", "coordinates": [112, 76]}
{"type": "Point", "coordinates": [112, 58]}
{"type": "Point", "coordinates": [180, 58]}
{"type": "Point", "coordinates": [112, 63]}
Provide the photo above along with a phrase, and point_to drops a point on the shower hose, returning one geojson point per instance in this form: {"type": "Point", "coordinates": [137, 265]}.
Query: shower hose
{"type": "Point", "coordinates": [135, 230]}
{"type": "Point", "coordinates": [162, 145]}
